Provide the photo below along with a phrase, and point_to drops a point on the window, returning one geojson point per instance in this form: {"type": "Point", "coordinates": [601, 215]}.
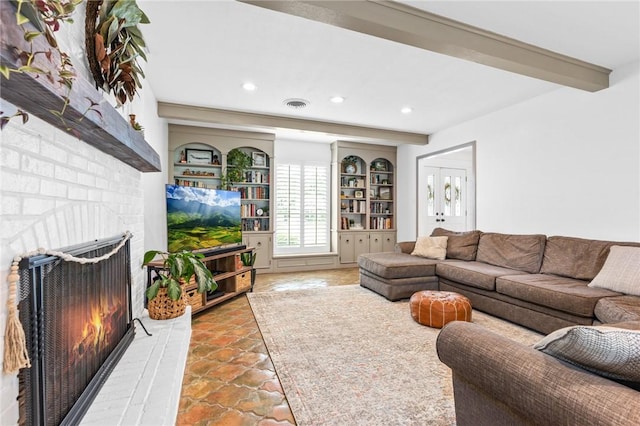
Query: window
{"type": "Point", "coordinates": [302, 208]}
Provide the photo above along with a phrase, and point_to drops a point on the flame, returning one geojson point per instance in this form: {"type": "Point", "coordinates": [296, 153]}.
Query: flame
{"type": "Point", "coordinates": [96, 322]}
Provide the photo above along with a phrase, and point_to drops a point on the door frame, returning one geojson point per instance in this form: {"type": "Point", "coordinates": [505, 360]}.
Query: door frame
{"type": "Point", "coordinates": [437, 159]}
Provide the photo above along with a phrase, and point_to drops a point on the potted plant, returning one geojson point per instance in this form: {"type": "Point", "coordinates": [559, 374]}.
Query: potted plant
{"type": "Point", "coordinates": [248, 259]}
{"type": "Point", "coordinates": [237, 164]}
{"type": "Point", "coordinates": [165, 293]}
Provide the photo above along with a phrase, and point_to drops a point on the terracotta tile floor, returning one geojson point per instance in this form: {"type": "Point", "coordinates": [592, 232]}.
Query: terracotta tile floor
{"type": "Point", "coordinates": [229, 378]}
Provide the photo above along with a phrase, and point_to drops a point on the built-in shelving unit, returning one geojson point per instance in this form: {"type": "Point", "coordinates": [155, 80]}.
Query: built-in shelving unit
{"type": "Point", "coordinates": [366, 205]}
{"type": "Point", "coordinates": [200, 157]}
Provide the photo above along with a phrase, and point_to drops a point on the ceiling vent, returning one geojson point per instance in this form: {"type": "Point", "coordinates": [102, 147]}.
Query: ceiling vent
{"type": "Point", "coordinates": [296, 103]}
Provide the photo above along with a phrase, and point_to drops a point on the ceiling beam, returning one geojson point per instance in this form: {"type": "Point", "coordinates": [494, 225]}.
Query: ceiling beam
{"type": "Point", "coordinates": [415, 27]}
{"type": "Point", "coordinates": [221, 116]}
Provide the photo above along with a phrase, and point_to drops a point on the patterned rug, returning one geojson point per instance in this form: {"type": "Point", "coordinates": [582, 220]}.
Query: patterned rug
{"type": "Point", "coordinates": [347, 356]}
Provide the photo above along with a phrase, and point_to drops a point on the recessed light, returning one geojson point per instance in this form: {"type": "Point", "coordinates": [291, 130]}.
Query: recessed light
{"type": "Point", "coordinates": [249, 87]}
{"type": "Point", "coordinates": [406, 110]}
{"type": "Point", "coordinates": [337, 99]}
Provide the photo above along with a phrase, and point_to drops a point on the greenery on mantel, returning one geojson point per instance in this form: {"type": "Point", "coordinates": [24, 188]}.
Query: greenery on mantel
{"type": "Point", "coordinates": [113, 45]}
{"type": "Point", "coordinates": [113, 40]}
{"type": "Point", "coordinates": [45, 17]}
{"type": "Point", "coordinates": [106, 129]}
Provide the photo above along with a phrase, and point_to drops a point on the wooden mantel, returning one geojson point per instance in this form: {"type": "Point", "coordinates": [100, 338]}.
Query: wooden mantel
{"type": "Point", "coordinates": [107, 131]}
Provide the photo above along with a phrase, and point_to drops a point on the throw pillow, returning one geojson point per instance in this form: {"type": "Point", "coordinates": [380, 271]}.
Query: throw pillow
{"type": "Point", "coordinates": [607, 351]}
{"type": "Point", "coordinates": [460, 245]}
{"type": "Point", "coordinates": [621, 271]}
{"type": "Point", "coordinates": [431, 247]}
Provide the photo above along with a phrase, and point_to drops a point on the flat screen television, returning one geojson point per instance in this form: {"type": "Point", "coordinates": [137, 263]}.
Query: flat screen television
{"type": "Point", "coordinates": [200, 218]}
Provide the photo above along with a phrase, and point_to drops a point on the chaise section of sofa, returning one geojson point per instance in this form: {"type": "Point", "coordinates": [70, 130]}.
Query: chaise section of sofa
{"type": "Point", "coordinates": [397, 275]}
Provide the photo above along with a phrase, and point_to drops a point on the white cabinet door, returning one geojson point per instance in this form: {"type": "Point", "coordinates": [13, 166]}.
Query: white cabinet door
{"type": "Point", "coordinates": [361, 245]}
{"type": "Point", "coordinates": [347, 247]}
{"type": "Point", "coordinates": [389, 241]}
{"type": "Point", "coordinates": [376, 242]}
{"type": "Point", "coordinates": [262, 244]}
{"type": "Point", "coordinates": [382, 242]}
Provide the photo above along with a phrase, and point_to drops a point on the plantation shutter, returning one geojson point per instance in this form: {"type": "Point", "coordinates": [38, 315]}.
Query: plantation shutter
{"type": "Point", "coordinates": [302, 208]}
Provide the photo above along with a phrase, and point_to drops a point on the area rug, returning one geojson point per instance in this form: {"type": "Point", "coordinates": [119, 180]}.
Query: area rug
{"type": "Point", "coordinates": [347, 356]}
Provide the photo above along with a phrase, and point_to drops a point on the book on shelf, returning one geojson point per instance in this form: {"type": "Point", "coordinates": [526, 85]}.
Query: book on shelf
{"type": "Point", "coordinates": [381, 223]}
{"type": "Point", "coordinates": [193, 183]}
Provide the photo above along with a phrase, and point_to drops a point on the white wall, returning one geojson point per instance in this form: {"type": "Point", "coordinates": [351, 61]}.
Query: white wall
{"type": "Point", "coordinates": [564, 163]}
{"type": "Point", "coordinates": [156, 133]}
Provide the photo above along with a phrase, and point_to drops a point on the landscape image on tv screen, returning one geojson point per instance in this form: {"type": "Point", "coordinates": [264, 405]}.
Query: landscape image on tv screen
{"type": "Point", "coordinates": [199, 218]}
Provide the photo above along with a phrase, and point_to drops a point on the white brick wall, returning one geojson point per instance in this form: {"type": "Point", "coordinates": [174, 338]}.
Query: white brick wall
{"type": "Point", "coordinates": [56, 191]}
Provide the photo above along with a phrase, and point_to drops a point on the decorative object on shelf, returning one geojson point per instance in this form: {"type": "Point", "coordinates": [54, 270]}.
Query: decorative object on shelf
{"type": "Point", "coordinates": [358, 194]}
{"type": "Point", "coordinates": [199, 156]}
{"type": "Point", "coordinates": [215, 161]}
{"type": "Point", "coordinates": [259, 212]}
{"type": "Point", "coordinates": [385, 193]}
{"type": "Point", "coordinates": [259, 159]}
{"type": "Point", "coordinates": [349, 164]}
{"type": "Point", "coordinates": [166, 298]}
{"type": "Point", "coordinates": [379, 166]}
{"type": "Point", "coordinates": [114, 42]}
{"type": "Point", "coordinates": [136, 126]}
{"type": "Point", "coordinates": [189, 172]}
{"type": "Point", "coordinates": [183, 157]}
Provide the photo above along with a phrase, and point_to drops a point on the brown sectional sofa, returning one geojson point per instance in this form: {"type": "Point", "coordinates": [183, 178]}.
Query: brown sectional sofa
{"type": "Point", "coordinates": [532, 280]}
{"type": "Point", "coordinates": [519, 385]}
{"type": "Point", "coordinates": [538, 282]}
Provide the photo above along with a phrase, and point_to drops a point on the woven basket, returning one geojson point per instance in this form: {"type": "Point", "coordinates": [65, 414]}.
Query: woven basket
{"type": "Point", "coordinates": [163, 307]}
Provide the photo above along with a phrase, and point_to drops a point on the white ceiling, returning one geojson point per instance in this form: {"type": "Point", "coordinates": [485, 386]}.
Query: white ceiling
{"type": "Point", "coordinates": [201, 52]}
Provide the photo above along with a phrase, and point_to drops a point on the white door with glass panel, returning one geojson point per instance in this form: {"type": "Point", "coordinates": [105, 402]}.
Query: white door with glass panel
{"type": "Point", "coordinates": [442, 199]}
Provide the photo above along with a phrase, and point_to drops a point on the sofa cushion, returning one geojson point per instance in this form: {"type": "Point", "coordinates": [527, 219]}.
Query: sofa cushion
{"type": "Point", "coordinates": [431, 247]}
{"type": "Point", "coordinates": [474, 274]}
{"type": "Point", "coordinates": [621, 271]}
{"type": "Point", "coordinates": [628, 325]}
{"type": "Point", "coordinates": [561, 293]}
{"type": "Point", "coordinates": [520, 252]}
{"type": "Point", "coordinates": [617, 309]}
{"type": "Point", "coordinates": [460, 245]}
{"type": "Point", "coordinates": [607, 351]}
{"type": "Point", "coordinates": [576, 258]}
{"type": "Point", "coordinates": [397, 265]}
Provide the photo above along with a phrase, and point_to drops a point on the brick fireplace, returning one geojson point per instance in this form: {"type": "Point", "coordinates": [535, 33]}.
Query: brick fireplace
{"type": "Point", "coordinates": [78, 324]}
{"type": "Point", "coordinates": [57, 191]}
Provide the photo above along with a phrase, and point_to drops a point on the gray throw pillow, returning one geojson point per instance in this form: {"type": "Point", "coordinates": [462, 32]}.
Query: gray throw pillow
{"type": "Point", "coordinates": [607, 351]}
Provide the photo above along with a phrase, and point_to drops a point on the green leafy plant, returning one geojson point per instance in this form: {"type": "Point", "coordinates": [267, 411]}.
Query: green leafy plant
{"type": "Point", "coordinates": [45, 17]}
{"type": "Point", "coordinates": [180, 267]}
{"type": "Point", "coordinates": [248, 258]}
{"type": "Point", "coordinates": [134, 124]}
{"type": "Point", "coordinates": [237, 164]}
{"type": "Point", "coordinates": [113, 45]}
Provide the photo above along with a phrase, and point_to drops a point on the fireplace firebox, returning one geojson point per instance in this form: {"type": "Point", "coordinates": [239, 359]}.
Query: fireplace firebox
{"type": "Point", "coordinates": [78, 323]}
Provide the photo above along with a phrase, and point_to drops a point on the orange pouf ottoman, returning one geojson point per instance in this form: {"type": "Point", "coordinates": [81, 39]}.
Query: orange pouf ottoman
{"type": "Point", "coordinates": [437, 308]}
